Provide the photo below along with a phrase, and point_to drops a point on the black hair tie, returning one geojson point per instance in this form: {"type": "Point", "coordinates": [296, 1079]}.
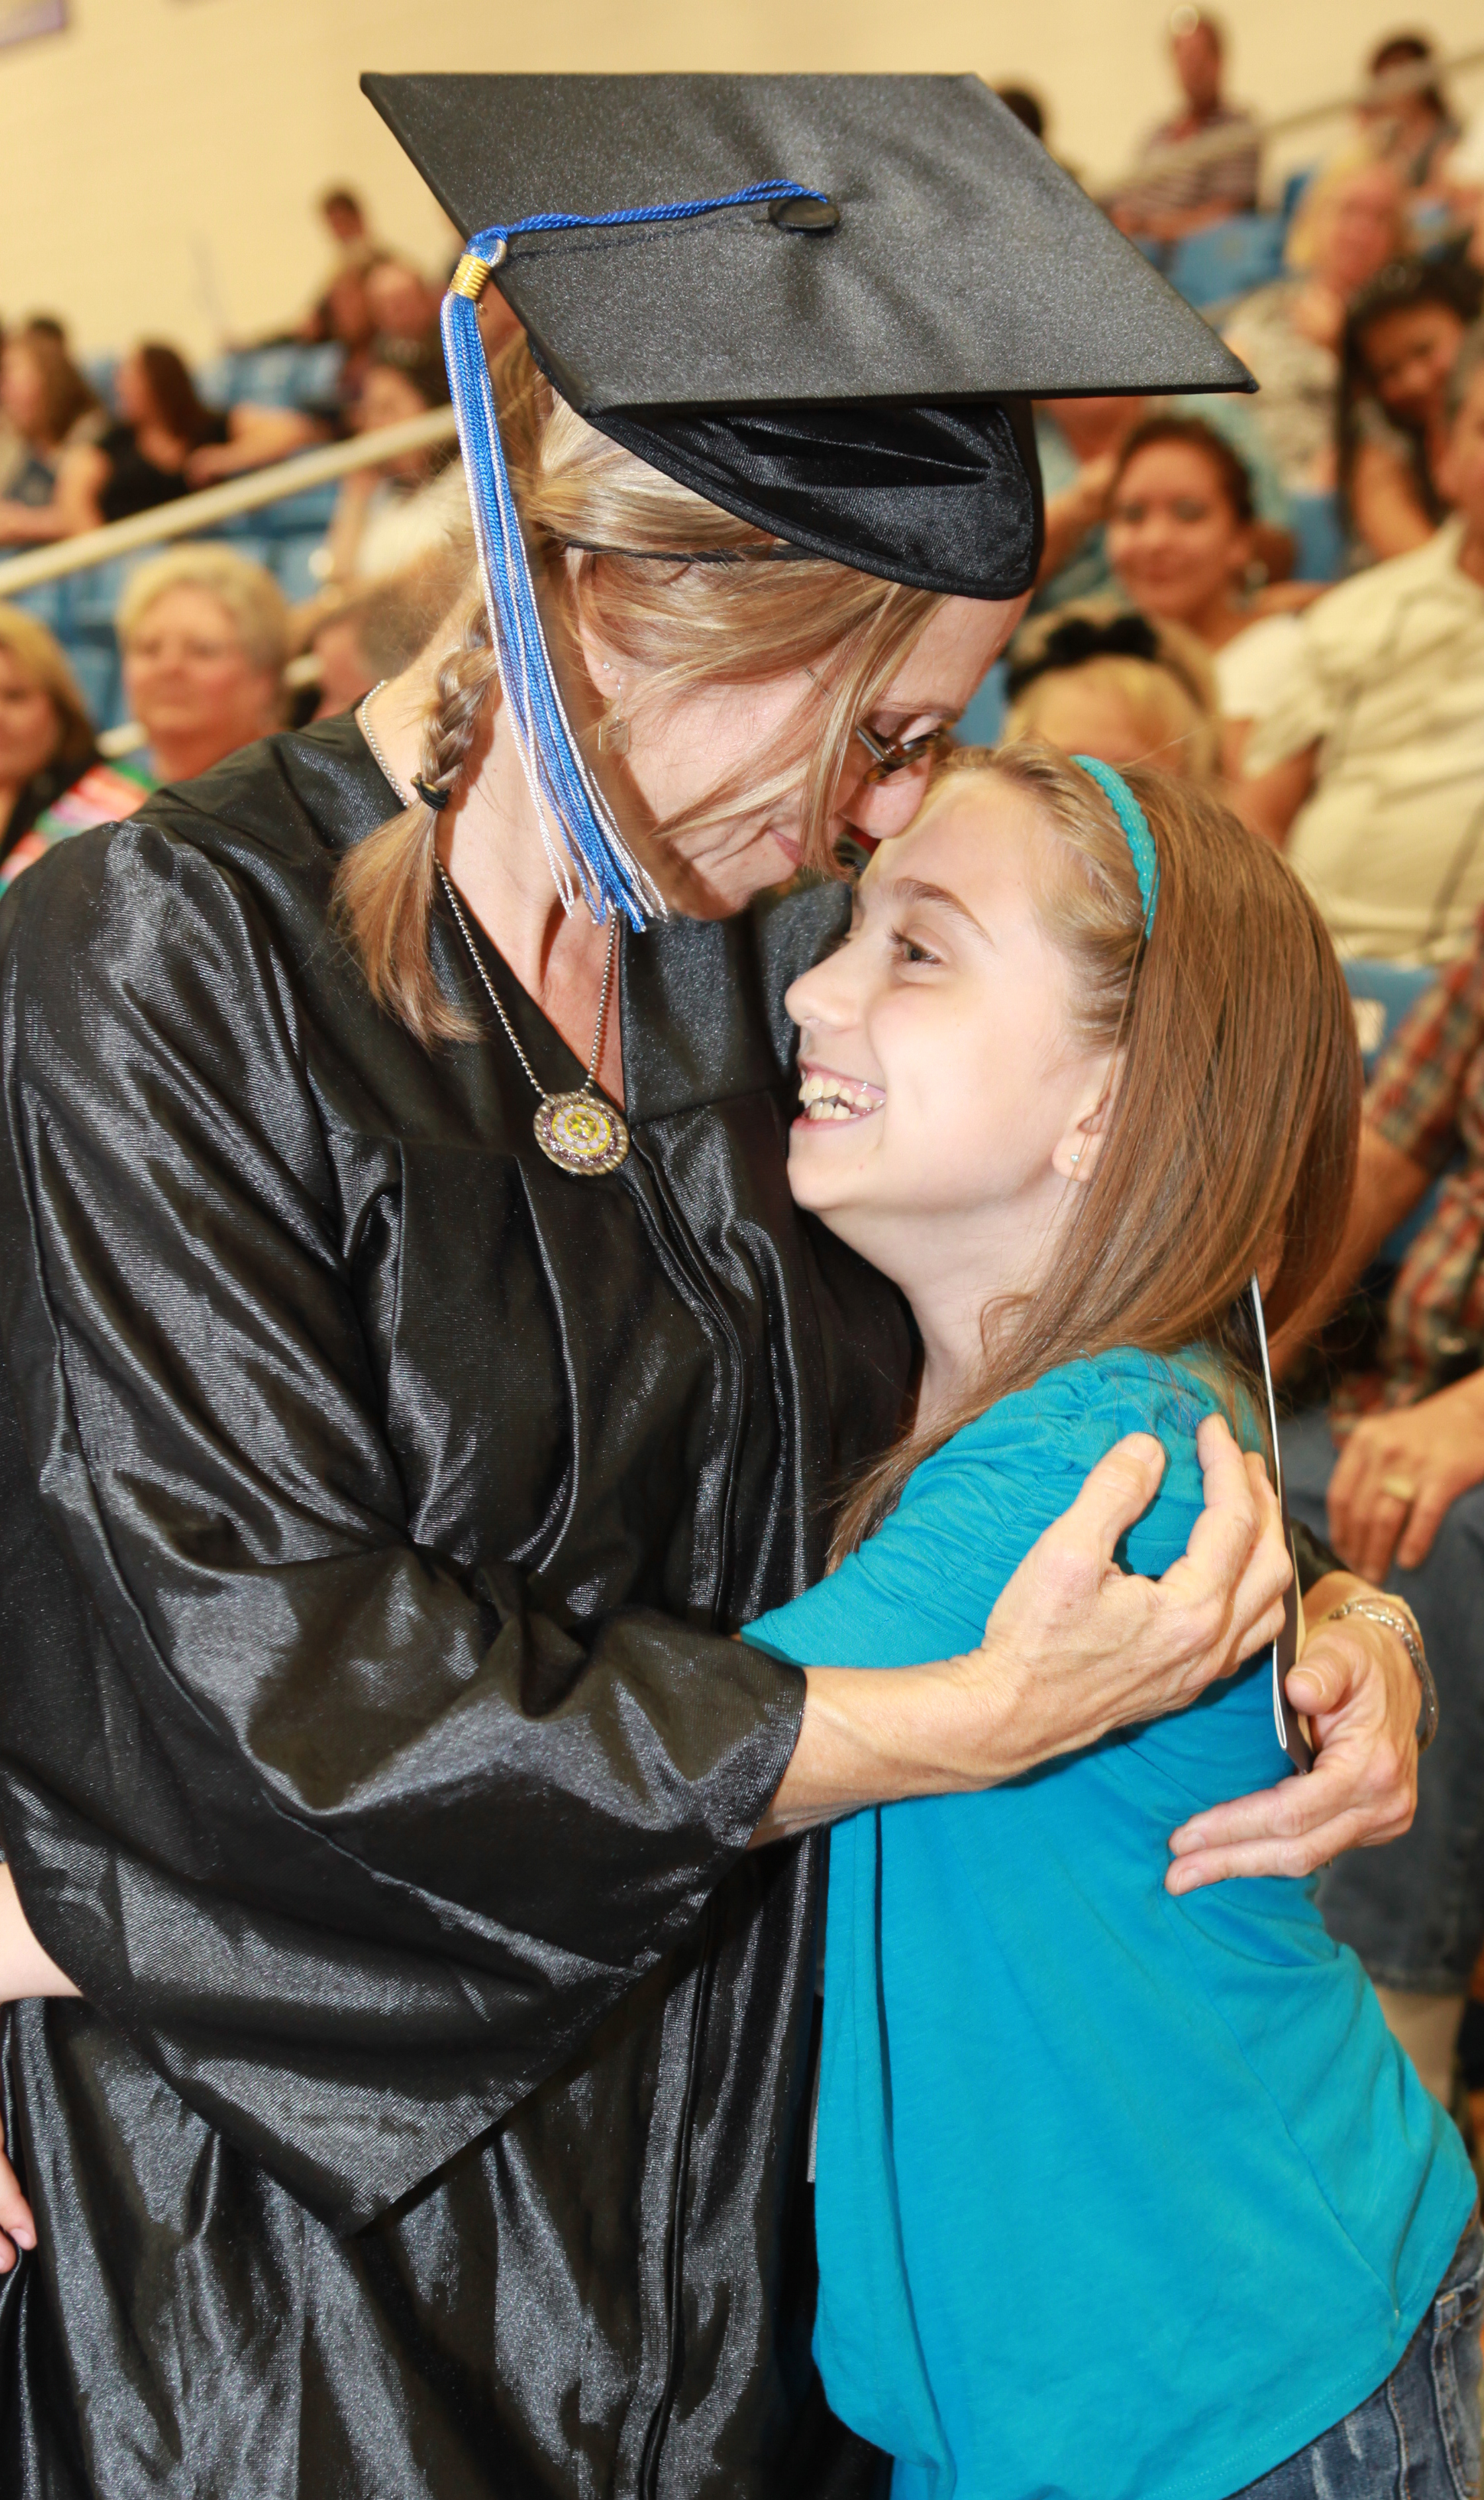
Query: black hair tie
{"type": "Point", "coordinates": [1080, 639]}
{"type": "Point", "coordinates": [436, 798]}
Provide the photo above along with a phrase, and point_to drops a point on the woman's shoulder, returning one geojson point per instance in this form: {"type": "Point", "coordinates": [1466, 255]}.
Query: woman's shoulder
{"type": "Point", "coordinates": [238, 860]}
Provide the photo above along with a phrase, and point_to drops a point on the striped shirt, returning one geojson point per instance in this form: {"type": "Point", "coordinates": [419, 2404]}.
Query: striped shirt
{"type": "Point", "coordinates": [1426, 1100]}
{"type": "Point", "coordinates": [104, 793]}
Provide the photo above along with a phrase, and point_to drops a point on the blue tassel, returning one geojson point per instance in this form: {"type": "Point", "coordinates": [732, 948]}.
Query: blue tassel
{"type": "Point", "coordinates": [586, 852]}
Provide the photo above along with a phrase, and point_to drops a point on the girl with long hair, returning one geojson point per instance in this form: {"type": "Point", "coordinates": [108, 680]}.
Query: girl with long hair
{"type": "Point", "coordinates": [1118, 2192]}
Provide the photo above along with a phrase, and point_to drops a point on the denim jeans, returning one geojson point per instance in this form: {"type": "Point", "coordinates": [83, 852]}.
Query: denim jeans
{"type": "Point", "coordinates": [1414, 1911]}
{"type": "Point", "coordinates": [1417, 2438]}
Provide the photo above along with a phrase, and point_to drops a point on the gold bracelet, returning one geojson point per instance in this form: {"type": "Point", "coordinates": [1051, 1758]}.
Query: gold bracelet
{"type": "Point", "coordinates": [1398, 1616]}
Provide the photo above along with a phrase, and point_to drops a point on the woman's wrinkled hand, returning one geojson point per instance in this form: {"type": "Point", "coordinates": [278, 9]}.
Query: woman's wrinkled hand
{"type": "Point", "coordinates": [1089, 1648]}
{"type": "Point", "coordinates": [17, 2225]}
{"type": "Point", "coordinates": [1355, 1686]}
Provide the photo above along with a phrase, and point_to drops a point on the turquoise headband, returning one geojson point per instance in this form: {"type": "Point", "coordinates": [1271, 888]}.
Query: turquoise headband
{"type": "Point", "coordinates": [1136, 826]}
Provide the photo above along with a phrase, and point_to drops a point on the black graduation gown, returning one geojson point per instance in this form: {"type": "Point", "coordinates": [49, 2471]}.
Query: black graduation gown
{"type": "Point", "coordinates": [373, 1498]}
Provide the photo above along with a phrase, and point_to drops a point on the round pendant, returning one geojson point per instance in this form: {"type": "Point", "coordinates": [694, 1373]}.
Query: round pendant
{"type": "Point", "coordinates": [581, 1133]}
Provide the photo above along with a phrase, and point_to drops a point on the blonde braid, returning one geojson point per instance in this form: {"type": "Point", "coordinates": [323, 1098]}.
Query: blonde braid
{"type": "Point", "coordinates": [385, 887]}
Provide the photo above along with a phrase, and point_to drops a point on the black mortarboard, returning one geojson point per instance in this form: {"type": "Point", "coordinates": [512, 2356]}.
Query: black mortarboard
{"type": "Point", "coordinates": [827, 385]}
{"type": "Point", "coordinates": [843, 358]}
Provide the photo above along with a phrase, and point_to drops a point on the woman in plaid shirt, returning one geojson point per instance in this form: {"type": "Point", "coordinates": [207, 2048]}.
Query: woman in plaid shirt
{"type": "Point", "coordinates": [1395, 1464]}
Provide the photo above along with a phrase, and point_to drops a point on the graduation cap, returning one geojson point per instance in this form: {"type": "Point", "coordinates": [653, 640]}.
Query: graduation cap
{"type": "Point", "coordinates": [823, 304]}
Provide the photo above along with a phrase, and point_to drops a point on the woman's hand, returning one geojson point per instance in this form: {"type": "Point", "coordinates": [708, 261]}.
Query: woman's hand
{"type": "Point", "coordinates": [1089, 1648]}
{"type": "Point", "coordinates": [1397, 1475]}
{"type": "Point", "coordinates": [24, 1971]}
{"type": "Point", "coordinates": [1355, 1686]}
{"type": "Point", "coordinates": [17, 2224]}
{"type": "Point", "coordinates": [1074, 1646]}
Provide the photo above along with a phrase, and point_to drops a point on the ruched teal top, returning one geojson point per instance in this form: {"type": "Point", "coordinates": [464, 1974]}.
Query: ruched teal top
{"type": "Point", "coordinates": [1119, 2197]}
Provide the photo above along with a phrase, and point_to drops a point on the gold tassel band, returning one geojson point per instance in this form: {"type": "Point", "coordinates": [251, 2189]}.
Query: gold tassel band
{"type": "Point", "coordinates": [473, 274]}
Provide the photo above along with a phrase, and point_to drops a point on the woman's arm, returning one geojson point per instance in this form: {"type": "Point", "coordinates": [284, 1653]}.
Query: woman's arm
{"type": "Point", "coordinates": [1269, 802]}
{"type": "Point", "coordinates": [355, 1843]}
{"type": "Point", "coordinates": [1077, 1646]}
{"type": "Point", "coordinates": [257, 436]}
{"type": "Point", "coordinates": [1388, 1185]}
{"type": "Point", "coordinates": [35, 524]}
{"type": "Point", "coordinates": [80, 477]}
{"type": "Point", "coordinates": [1389, 513]}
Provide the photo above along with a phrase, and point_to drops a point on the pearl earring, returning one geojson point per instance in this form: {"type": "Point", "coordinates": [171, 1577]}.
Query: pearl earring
{"type": "Point", "coordinates": [1076, 1159]}
{"type": "Point", "coordinates": [613, 730]}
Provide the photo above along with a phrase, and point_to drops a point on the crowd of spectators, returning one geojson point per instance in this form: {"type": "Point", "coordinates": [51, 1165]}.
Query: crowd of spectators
{"type": "Point", "coordinates": [1282, 593]}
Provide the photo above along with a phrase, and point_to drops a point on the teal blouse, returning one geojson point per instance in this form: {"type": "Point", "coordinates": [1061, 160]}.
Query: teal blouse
{"type": "Point", "coordinates": [1119, 2197]}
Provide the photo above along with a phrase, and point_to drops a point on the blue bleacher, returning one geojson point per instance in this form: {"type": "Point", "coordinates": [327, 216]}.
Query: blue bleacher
{"type": "Point", "coordinates": [1319, 538]}
{"type": "Point", "coordinates": [1392, 989]}
{"type": "Point", "coordinates": [982, 724]}
{"type": "Point", "coordinates": [1222, 262]}
{"type": "Point", "coordinates": [285, 535]}
{"type": "Point", "coordinates": [284, 376]}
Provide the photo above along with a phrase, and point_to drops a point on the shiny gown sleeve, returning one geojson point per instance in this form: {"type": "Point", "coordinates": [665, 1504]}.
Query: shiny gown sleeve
{"type": "Point", "coordinates": [357, 1847]}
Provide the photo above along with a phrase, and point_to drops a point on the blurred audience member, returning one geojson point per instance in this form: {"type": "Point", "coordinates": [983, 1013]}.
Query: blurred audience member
{"type": "Point", "coordinates": [1181, 540]}
{"type": "Point", "coordinates": [1350, 223]}
{"type": "Point", "coordinates": [205, 639]}
{"type": "Point", "coordinates": [379, 633]}
{"type": "Point", "coordinates": [1027, 109]}
{"type": "Point", "coordinates": [388, 515]}
{"type": "Point", "coordinates": [45, 736]}
{"type": "Point", "coordinates": [165, 442]}
{"type": "Point", "coordinates": [1168, 206]}
{"type": "Point", "coordinates": [54, 409]}
{"type": "Point", "coordinates": [345, 216]}
{"type": "Point", "coordinates": [1463, 176]}
{"type": "Point", "coordinates": [1370, 763]}
{"type": "Point", "coordinates": [1414, 132]}
{"type": "Point", "coordinates": [1094, 679]}
{"type": "Point", "coordinates": [1399, 342]}
{"type": "Point", "coordinates": [1079, 442]}
{"type": "Point", "coordinates": [404, 308]}
{"type": "Point", "coordinates": [1403, 1503]}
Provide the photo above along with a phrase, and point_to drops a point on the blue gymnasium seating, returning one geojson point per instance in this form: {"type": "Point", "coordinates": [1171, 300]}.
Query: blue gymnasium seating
{"type": "Point", "coordinates": [1393, 988]}
{"type": "Point", "coordinates": [1224, 261]}
{"type": "Point", "coordinates": [79, 610]}
{"type": "Point", "coordinates": [982, 723]}
{"type": "Point", "coordinates": [1319, 538]}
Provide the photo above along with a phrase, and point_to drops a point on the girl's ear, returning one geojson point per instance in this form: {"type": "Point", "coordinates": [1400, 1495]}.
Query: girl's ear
{"type": "Point", "coordinates": [1076, 1153]}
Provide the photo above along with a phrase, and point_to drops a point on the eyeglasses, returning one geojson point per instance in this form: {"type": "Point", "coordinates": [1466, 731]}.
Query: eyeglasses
{"type": "Point", "coordinates": [898, 754]}
{"type": "Point", "coordinates": [891, 755]}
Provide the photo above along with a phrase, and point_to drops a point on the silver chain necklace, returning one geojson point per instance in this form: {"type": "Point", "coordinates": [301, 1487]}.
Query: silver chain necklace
{"type": "Point", "coordinates": [581, 1133]}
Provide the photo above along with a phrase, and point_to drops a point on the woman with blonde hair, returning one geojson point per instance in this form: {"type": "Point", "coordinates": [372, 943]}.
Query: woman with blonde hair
{"type": "Point", "coordinates": [1350, 222]}
{"type": "Point", "coordinates": [423, 1372]}
{"type": "Point", "coordinates": [46, 736]}
{"type": "Point", "coordinates": [205, 636]}
{"type": "Point", "coordinates": [1096, 677]}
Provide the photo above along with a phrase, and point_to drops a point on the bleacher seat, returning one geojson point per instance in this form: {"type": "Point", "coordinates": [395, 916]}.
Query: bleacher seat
{"type": "Point", "coordinates": [1389, 991]}
{"type": "Point", "coordinates": [287, 376]}
{"type": "Point", "coordinates": [1319, 538]}
{"type": "Point", "coordinates": [1222, 262]}
{"type": "Point", "coordinates": [982, 724]}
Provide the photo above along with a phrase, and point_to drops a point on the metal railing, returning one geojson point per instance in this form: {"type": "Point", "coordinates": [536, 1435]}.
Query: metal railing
{"type": "Point", "coordinates": [189, 515]}
{"type": "Point", "coordinates": [1213, 145]}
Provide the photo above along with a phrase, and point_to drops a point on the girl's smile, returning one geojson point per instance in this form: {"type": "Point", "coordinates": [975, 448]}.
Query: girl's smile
{"type": "Point", "coordinates": [947, 1108]}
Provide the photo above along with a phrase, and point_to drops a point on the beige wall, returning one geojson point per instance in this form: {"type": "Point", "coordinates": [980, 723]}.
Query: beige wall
{"type": "Point", "coordinates": [159, 159]}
